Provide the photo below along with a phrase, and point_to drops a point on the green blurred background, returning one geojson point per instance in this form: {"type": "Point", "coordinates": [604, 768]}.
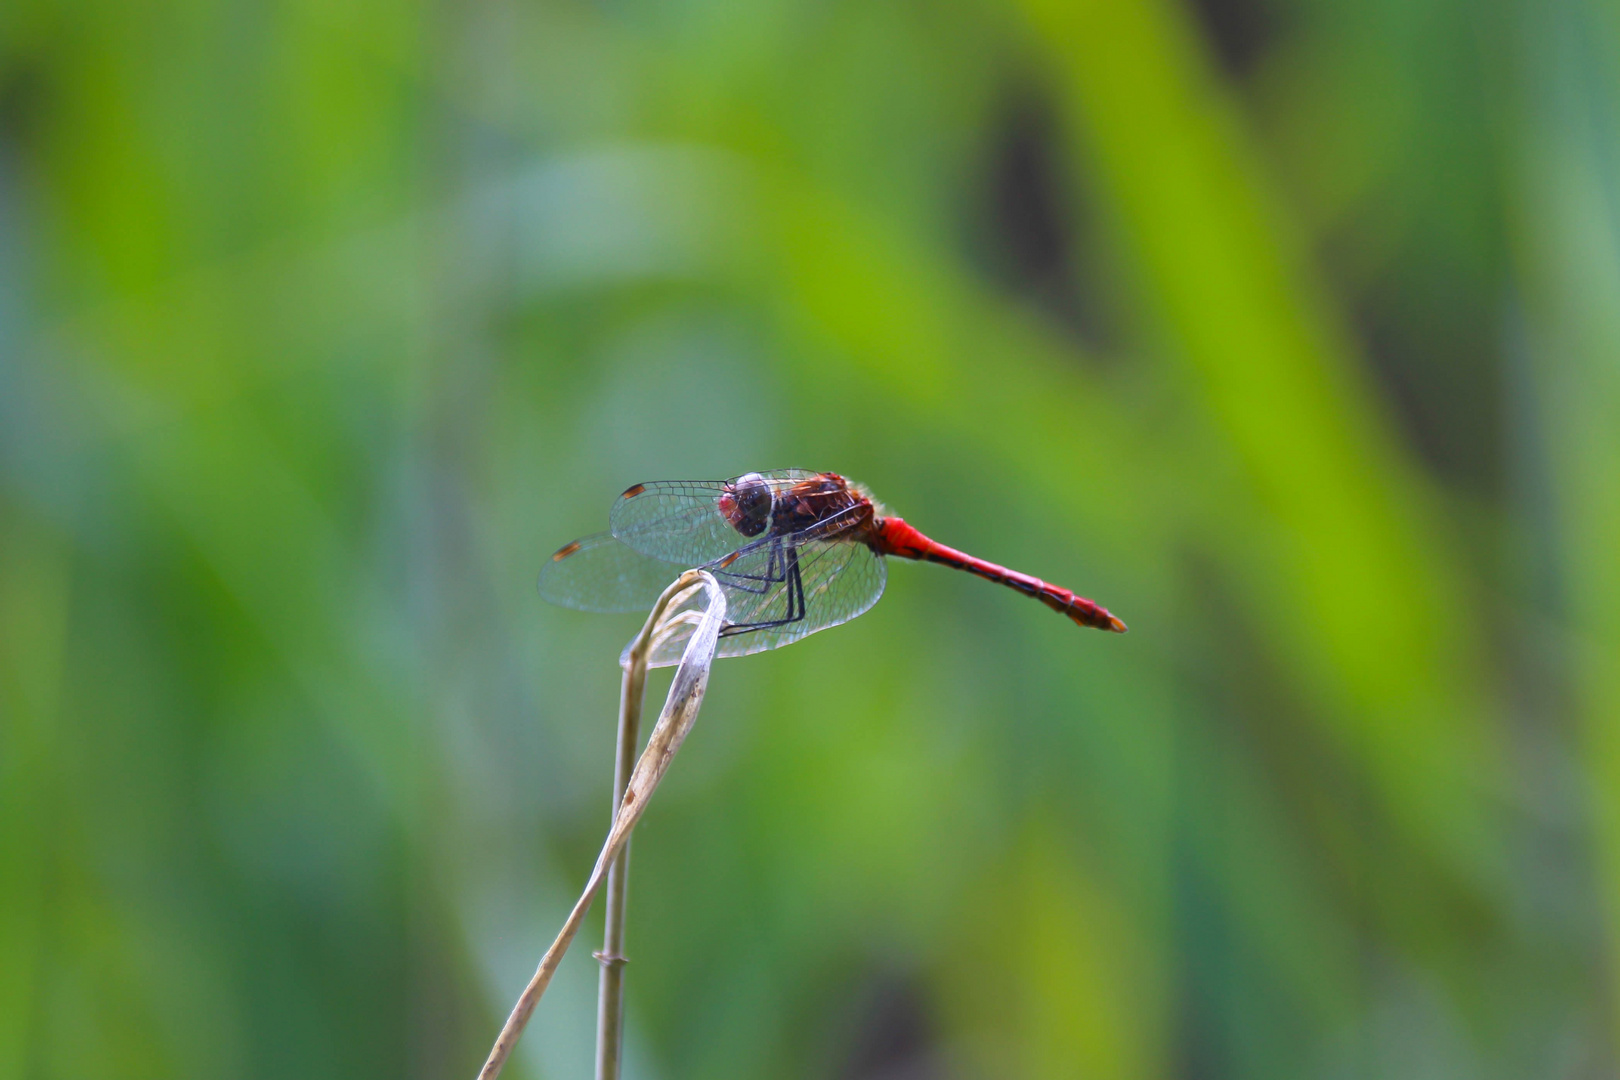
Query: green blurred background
{"type": "Point", "coordinates": [1288, 330]}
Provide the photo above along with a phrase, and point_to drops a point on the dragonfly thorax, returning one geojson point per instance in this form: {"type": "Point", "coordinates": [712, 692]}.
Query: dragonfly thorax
{"type": "Point", "coordinates": [823, 503]}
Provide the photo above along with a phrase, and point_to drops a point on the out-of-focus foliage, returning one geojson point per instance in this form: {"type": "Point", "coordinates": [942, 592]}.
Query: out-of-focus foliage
{"type": "Point", "coordinates": [1288, 330]}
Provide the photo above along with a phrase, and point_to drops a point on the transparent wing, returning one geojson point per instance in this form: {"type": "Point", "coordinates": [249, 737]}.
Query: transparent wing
{"type": "Point", "coordinates": [778, 591]}
{"type": "Point", "coordinates": [597, 573]}
{"type": "Point", "coordinates": [679, 521]}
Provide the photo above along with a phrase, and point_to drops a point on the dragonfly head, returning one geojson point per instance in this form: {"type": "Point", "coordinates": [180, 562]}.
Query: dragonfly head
{"type": "Point", "coordinates": [746, 504]}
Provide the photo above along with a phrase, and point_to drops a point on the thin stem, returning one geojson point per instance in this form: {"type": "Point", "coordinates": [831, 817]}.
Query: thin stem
{"type": "Point", "coordinates": [610, 990]}
{"type": "Point", "coordinates": [679, 713]}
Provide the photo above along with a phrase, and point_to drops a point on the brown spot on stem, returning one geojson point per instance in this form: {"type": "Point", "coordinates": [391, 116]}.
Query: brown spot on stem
{"type": "Point", "coordinates": [633, 490]}
{"type": "Point", "coordinates": [565, 551]}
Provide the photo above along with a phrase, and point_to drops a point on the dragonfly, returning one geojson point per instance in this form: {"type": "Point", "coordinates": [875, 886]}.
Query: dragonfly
{"type": "Point", "coordinates": [795, 552]}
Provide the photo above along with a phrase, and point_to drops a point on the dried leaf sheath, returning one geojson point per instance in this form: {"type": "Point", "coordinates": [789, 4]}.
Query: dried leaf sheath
{"type": "Point", "coordinates": [679, 712]}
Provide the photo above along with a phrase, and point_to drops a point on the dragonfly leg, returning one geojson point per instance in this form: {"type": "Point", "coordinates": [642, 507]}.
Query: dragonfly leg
{"type": "Point", "coordinates": [795, 598]}
{"type": "Point", "coordinates": [758, 584]}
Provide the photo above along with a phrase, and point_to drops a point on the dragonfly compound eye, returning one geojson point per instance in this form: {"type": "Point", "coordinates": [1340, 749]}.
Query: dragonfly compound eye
{"type": "Point", "coordinates": [746, 504]}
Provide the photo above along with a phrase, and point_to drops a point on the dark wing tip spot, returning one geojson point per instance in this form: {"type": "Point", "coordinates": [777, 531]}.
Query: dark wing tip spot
{"type": "Point", "coordinates": [633, 490]}
{"type": "Point", "coordinates": [729, 559]}
{"type": "Point", "coordinates": [565, 551]}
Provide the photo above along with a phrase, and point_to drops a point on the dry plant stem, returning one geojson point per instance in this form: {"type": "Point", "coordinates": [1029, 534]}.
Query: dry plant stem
{"type": "Point", "coordinates": [680, 710]}
{"type": "Point", "coordinates": [610, 990]}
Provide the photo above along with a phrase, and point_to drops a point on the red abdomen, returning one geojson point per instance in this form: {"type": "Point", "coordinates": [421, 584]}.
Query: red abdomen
{"type": "Point", "coordinates": [894, 537]}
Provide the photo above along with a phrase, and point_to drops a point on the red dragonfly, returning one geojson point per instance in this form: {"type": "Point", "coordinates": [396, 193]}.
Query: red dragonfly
{"type": "Point", "coordinates": [795, 551]}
